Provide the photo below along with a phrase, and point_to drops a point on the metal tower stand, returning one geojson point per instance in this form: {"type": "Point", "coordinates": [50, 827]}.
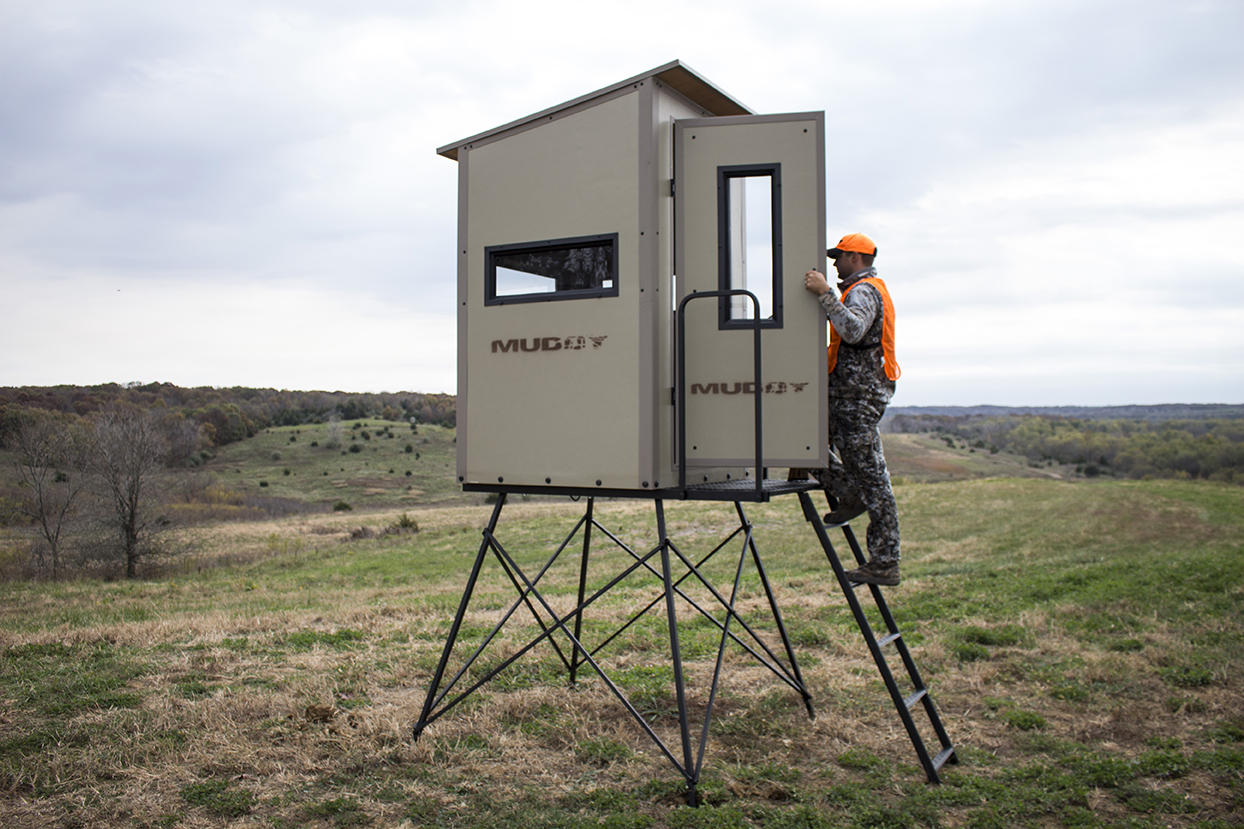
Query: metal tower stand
{"type": "Point", "coordinates": [674, 569]}
{"type": "Point", "coordinates": [669, 564]}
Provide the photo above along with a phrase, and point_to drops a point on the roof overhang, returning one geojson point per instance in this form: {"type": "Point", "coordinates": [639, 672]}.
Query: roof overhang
{"type": "Point", "coordinates": [675, 75]}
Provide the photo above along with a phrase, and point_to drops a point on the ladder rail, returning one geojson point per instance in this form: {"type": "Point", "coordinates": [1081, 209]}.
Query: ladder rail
{"type": "Point", "coordinates": [900, 645]}
{"type": "Point", "coordinates": [902, 703]}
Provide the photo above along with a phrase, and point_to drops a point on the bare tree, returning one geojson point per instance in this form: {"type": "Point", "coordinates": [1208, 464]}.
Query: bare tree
{"type": "Point", "coordinates": [335, 432]}
{"type": "Point", "coordinates": [128, 449]}
{"type": "Point", "coordinates": [49, 456]}
{"type": "Point", "coordinates": [186, 437]}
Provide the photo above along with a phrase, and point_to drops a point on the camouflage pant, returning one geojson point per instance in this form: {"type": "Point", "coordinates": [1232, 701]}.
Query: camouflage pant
{"type": "Point", "coordinates": [859, 468]}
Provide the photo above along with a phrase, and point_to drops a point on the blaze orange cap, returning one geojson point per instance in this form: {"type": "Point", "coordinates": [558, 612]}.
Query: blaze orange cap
{"type": "Point", "coordinates": [853, 243]}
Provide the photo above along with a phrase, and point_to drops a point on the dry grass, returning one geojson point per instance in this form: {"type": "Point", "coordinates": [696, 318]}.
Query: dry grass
{"type": "Point", "coordinates": [292, 677]}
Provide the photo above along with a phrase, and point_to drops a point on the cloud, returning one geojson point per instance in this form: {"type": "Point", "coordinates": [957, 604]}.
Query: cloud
{"type": "Point", "coordinates": [198, 331]}
{"type": "Point", "coordinates": [1019, 163]}
{"type": "Point", "coordinates": [1103, 270]}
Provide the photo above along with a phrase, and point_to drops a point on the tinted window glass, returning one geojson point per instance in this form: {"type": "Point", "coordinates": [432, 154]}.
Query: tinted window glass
{"type": "Point", "coordinates": [558, 269]}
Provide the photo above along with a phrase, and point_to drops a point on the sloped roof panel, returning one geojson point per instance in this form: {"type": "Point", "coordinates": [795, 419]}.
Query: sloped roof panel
{"type": "Point", "coordinates": [675, 74]}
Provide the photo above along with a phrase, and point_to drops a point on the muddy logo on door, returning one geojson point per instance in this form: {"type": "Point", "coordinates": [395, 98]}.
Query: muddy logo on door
{"type": "Point", "coordinates": [574, 342]}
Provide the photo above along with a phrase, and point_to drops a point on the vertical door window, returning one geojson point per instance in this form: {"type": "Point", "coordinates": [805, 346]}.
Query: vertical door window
{"type": "Point", "coordinates": [749, 244]}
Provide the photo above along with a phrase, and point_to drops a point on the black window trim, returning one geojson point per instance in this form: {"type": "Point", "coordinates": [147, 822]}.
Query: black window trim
{"type": "Point", "coordinates": [725, 172]}
{"type": "Point", "coordinates": [597, 240]}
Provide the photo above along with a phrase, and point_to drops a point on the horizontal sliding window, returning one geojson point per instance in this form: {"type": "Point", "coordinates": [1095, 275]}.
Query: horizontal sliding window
{"type": "Point", "coordinates": [578, 268]}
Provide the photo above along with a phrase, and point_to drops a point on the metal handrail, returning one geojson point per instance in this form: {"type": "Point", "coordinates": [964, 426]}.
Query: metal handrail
{"type": "Point", "coordinates": [680, 398]}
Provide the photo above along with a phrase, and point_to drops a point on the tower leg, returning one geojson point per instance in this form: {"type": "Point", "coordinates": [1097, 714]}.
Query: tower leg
{"type": "Point", "coordinates": [461, 614]}
{"type": "Point", "coordinates": [680, 688]}
{"type": "Point", "coordinates": [578, 654]}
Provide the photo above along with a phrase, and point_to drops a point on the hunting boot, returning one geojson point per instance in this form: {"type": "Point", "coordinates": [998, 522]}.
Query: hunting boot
{"type": "Point", "coordinates": [875, 573]}
{"type": "Point", "coordinates": [849, 506]}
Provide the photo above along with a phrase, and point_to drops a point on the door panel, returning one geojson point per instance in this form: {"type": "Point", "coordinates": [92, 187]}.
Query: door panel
{"type": "Point", "coordinates": [749, 203]}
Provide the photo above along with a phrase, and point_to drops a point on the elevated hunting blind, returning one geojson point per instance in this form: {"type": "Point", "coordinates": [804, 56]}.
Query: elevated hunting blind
{"type": "Point", "coordinates": [581, 230]}
{"type": "Point", "coordinates": [632, 322]}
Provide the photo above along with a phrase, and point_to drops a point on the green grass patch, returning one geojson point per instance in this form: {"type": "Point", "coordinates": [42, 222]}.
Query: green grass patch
{"type": "Point", "coordinates": [60, 681]}
{"type": "Point", "coordinates": [339, 811]}
{"type": "Point", "coordinates": [219, 798]}
{"type": "Point", "coordinates": [342, 639]}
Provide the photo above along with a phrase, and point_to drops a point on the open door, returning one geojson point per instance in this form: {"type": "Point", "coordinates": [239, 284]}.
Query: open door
{"type": "Point", "coordinates": [749, 196]}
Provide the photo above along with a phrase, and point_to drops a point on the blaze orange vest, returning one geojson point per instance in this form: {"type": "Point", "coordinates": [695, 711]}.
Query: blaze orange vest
{"type": "Point", "coordinates": [892, 370]}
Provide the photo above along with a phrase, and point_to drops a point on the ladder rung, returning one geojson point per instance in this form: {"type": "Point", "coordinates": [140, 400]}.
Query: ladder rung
{"type": "Point", "coordinates": [916, 697]}
{"type": "Point", "coordinates": [885, 640]}
{"type": "Point", "coordinates": [942, 756]}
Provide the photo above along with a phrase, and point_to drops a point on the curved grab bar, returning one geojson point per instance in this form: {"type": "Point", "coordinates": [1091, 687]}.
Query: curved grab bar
{"type": "Point", "coordinates": [681, 396]}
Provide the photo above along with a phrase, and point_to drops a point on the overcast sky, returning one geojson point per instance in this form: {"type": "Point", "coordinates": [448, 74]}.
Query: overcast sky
{"type": "Point", "coordinates": [247, 193]}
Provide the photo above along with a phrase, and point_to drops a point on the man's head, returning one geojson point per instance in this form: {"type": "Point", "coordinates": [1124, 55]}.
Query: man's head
{"type": "Point", "coordinates": [854, 252]}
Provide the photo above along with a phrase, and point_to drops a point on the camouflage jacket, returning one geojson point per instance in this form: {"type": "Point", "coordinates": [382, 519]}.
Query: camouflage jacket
{"type": "Point", "coordinates": [859, 372]}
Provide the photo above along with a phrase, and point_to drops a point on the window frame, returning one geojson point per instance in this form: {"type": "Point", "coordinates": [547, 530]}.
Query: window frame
{"type": "Point", "coordinates": [724, 253]}
{"type": "Point", "coordinates": [491, 252]}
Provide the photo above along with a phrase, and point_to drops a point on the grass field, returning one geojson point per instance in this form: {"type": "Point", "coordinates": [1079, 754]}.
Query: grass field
{"type": "Point", "coordinates": [378, 464]}
{"type": "Point", "coordinates": [1082, 641]}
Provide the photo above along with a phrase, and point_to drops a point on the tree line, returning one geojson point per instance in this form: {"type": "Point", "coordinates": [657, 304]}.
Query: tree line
{"type": "Point", "coordinates": [90, 469]}
{"type": "Point", "coordinates": [227, 414]}
{"type": "Point", "coordinates": [1209, 449]}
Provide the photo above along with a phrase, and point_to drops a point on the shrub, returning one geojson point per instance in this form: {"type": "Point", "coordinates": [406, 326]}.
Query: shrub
{"type": "Point", "coordinates": [263, 483]}
{"type": "Point", "coordinates": [342, 506]}
{"type": "Point", "coordinates": [355, 448]}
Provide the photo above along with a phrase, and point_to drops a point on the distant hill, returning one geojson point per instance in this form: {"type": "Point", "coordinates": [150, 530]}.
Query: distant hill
{"type": "Point", "coordinates": [1162, 411]}
{"type": "Point", "coordinates": [233, 413]}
